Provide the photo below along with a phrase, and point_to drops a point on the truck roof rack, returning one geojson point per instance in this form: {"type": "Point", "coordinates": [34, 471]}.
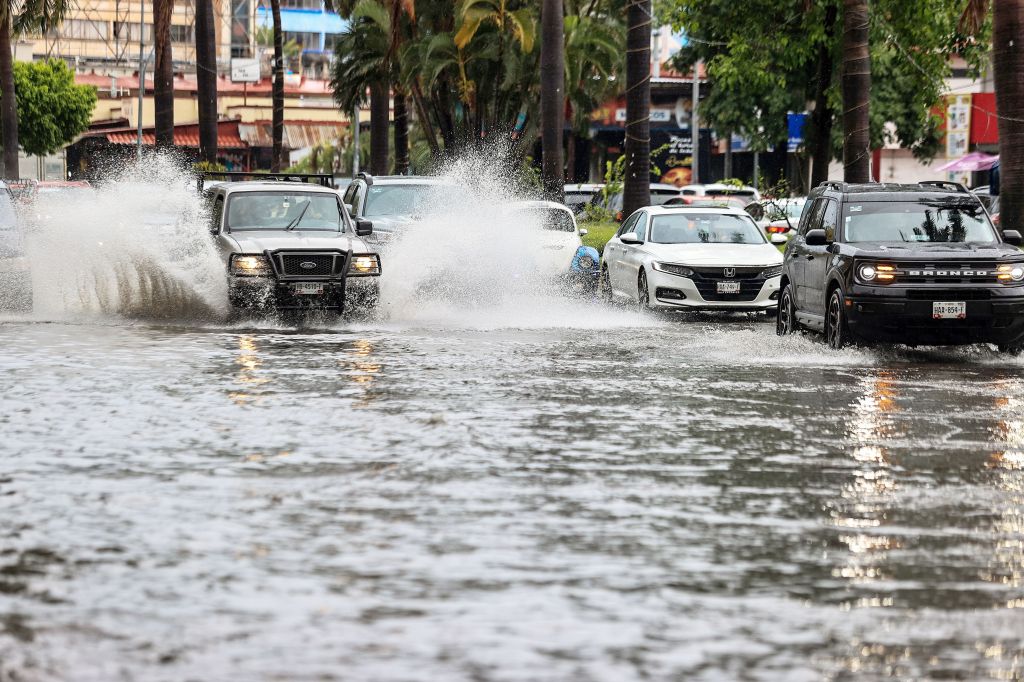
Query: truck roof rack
{"type": "Point", "coordinates": [322, 179]}
{"type": "Point", "coordinates": [365, 177]}
{"type": "Point", "coordinates": [834, 184]}
{"type": "Point", "coordinates": [945, 184]}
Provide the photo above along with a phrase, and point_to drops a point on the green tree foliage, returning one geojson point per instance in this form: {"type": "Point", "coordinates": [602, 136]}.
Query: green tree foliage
{"type": "Point", "coordinates": [52, 109]}
{"type": "Point", "coordinates": [763, 57]}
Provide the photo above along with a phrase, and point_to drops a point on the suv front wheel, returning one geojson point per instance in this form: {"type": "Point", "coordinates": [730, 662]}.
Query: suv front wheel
{"type": "Point", "coordinates": [785, 323]}
{"type": "Point", "coordinates": [837, 331]}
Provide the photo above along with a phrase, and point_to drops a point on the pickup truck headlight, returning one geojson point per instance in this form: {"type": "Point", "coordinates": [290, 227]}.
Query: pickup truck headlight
{"type": "Point", "coordinates": [673, 269]}
{"type": "Point", "coordinates": [363, 264]}
{"type": "Point", "coordinates": [251, 265]}
{"type": "Point", "coordinates": [1010, 272]}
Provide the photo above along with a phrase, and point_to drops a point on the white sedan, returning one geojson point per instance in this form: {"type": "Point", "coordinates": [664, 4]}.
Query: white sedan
{"type": "Point", "coordinates": [692, 258]}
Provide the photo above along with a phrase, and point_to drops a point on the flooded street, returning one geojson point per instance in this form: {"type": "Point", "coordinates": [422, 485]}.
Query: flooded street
{"type": "Point", "coordinates": [573, 494]}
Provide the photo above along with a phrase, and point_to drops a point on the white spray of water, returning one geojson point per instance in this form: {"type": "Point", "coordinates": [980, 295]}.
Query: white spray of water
{"type": "Point", "coordinates": [136, 247]}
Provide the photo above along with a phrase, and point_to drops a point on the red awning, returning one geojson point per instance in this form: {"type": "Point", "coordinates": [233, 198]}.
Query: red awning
{"type": "Point", "coordinates": [181, 138]}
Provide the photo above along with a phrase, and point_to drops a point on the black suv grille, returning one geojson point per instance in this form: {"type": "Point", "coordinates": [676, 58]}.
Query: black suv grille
{"type": "Point", "coordinates": [292, 264]}
{"type": "Point", "coordinates": [978, 272]}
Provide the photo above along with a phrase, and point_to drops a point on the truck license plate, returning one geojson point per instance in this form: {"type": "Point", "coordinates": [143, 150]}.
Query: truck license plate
{"type": "Point", "coordinates": [308, 288]}
{"type": "Point", "coordinates": [949, 310]}
{"type": "Point", "coordinates": [728, 287]}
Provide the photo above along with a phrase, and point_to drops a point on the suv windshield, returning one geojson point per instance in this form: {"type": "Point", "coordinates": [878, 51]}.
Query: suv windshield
{"type": "Point", "coordinates": [917, 221]}
{"type": "Point", "coordinates": [705, 228]}
{"type": "Point", "coordinates": [384, 200]}
{"type": "Point", "coordinates": [280, 211]}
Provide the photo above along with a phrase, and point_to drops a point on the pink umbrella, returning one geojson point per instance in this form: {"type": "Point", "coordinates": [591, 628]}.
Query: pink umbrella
{"type": "Point", "coordinates": [975, 161]}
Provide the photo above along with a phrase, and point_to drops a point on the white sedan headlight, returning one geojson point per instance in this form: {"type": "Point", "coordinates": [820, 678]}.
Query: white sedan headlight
{"type": "Point", "coordinates": [772, 271]}
{"type": "Point", "coordinates": [252, 265]}
{"type": "Point", "coordinates": [673, 269]}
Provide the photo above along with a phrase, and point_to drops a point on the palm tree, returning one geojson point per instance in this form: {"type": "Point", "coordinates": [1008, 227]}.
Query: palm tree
{"type": "Point", "coordinates": [823, 115]}
{"type": "Point", "coordinates": [520, 22]}
{"type": "Point", "coordinates": [856, 92]}
{"type": "Point", "coordinates": [637, 182]}
{"type": "Point", "coordinates": [277, 118]}
{"type": "Point", "coordinates": [552, 97]}
{"type": "Point", "coordinates": [593, 61]}
{"type": "Point", "coordinates": [206, 80]}
{"type": "Point", "coordinates": [15, 18]}
{"type": "Point", "coordinates": [163, 73]}
{"type": "Point", "coordinates": [1008, 64]}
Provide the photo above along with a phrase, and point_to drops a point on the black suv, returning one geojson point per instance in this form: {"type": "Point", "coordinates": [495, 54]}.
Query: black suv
{"type": "Point", "coordinates": [915, 264]}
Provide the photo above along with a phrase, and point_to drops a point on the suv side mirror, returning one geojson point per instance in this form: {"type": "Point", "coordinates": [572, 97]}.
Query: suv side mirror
{"type": "Point", "coordinates": [816, 238]}
{"type": "Point", "coordinates": [1012, 237]}
{"type": "Point", "coordinates": [630, 238]}
{"type": "Point", "coordinates": [363, 227]}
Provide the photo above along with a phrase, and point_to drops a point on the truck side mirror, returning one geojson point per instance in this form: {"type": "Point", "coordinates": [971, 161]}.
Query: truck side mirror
{"type": "Point", "coordinates": [363, 227]}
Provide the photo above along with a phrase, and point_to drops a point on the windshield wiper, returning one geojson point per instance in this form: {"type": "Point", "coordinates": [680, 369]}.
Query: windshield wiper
{"type": "Point", "coordinates": [298, 219]}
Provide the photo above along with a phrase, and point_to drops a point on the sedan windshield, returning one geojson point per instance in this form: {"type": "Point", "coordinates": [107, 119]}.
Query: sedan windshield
{"type": "Point", "coordinates": [550, 218]}
{"type": "Point", "coordinates": [705, 228]}
{"type": "Point", "coordinates": [917, 221]}
{"type": "Point", "coordinates": [279, 211]}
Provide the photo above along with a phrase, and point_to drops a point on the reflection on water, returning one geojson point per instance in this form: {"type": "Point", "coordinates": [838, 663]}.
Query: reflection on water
{"type": "Point", "coordinates": [248, 377]}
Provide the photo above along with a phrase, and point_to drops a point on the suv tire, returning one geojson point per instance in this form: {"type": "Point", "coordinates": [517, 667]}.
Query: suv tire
{"type": "Point", "coordinates": [837, 331]}
{"type": "Point", "coordinates": [785, 321]}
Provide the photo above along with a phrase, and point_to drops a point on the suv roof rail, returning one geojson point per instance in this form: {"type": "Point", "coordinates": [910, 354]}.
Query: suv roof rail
{"type": "Point", "coordinates": [365, 177]}
{"type": "Point", "coordinates": [322, 179]}
{"type": "Point", "coordinates": [945, 184]}
{"type": "Point", "coordinates": [834, 184]}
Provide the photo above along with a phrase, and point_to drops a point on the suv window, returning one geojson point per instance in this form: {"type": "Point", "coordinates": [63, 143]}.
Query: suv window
{"type": "Point", "coordinates": [830, 219]}
{"type": "Point", "coordinates": [218, 212]}
{"type": "Point", "coordinates": [811, 219]}
{"type": "Point", "coordinates": [628, 225]}
{"type": "Point", "coordinates": [805, 216]}
{"type": "Point", "coordinates": [926, 220]}
{"type": "Point", "coordinates": [350, 195]}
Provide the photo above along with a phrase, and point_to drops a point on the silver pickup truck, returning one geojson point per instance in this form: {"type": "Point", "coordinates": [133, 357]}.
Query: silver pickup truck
{"type": "Point", "coordinates": [291, 246]}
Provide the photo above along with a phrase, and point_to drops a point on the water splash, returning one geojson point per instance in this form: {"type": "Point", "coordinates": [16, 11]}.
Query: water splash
{"type": "Point", "coordinates": [136, 247]}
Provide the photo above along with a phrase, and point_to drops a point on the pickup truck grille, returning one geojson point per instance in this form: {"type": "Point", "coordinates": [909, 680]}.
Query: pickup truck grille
{"type": "Point", "coordinates": [302, 265]}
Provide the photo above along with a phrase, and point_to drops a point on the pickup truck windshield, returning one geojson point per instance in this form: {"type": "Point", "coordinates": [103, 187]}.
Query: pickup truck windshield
{"type": "Point", "coordinates": [705, 228]}
{"type": "Point", "coordinates": [917, 221]}
{"type": "Point", "coordinates": [280, 211]}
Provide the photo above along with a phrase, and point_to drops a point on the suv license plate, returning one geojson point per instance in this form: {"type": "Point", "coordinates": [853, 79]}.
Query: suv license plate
{"type": "Point", "coordinates": [949, 310]}
{"type": "Point", "coordinates": [728, 287]}
{"type": "Point", "coordinates": [308, 288]}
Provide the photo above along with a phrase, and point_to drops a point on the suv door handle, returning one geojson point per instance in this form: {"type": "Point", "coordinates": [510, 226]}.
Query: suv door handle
{"type": "Point", "coordinates": [810, 256]}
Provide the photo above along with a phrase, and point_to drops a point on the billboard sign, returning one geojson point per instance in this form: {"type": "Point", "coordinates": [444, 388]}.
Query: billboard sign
{"type": "Point", "coordinates": [245, 70]}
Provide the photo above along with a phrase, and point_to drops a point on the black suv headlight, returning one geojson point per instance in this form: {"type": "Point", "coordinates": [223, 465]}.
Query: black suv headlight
{"type": "Point", "coordinates": [773, 271]}
{"type": "Point", "coordinates": [673, 269]}
{"type": "Point", "coordinates": [250, 264]}
{"type": "Point", "coordinates": [1010, 273]}
{"type": "Point", "coordinates": [875, 273]}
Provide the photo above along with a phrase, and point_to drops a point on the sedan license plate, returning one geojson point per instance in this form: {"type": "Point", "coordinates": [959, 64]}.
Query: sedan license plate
{"type": "Point", "coordinates": [728, 288]}
{"type": "Point", "coordinates": [308, 288]}
{"type": "Point", "coordinates": [949, 310]}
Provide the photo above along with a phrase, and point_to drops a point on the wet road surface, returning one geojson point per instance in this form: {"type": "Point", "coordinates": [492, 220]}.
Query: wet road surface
{"type": "Point", "coordinates": [641, 499]}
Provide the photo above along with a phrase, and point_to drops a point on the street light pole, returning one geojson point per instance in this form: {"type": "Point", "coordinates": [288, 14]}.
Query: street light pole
{"type": "Point", "coordinates": [355, 141]}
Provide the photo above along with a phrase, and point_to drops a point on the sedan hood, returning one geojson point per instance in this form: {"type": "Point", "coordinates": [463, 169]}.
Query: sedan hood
{"type": "Point", "coordinates": [716, 254]}
{"type": "Point", "coordinates": [257, 241]}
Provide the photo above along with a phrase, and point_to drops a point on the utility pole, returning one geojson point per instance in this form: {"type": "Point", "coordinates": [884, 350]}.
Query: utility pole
{"type": "Point", "coordinates": [695, 125]}
{"type": "Point", "coordinates": [355, 141]}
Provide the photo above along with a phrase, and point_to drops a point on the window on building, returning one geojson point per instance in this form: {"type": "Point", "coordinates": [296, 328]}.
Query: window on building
{"type": "Point", "coordinates": [81, 29]}
{"type": "Point", "coordinates": [130, 30]}
{"type": "Point", "coordinates": [307, 41]}
{"type": "Point", "coordinates": [302, 4]}
{"type": "Point", "coordinates": [182, 34]}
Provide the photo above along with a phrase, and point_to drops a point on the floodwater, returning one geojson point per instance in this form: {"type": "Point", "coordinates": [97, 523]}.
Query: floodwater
{"type": "Point", "coordinates": [528, 489]}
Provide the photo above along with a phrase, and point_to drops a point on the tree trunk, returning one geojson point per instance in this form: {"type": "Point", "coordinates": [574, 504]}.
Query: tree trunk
{"type": "Point", "coordinates": [552, 98]}
{"type": "Point", "coordinates": [823, 116]}
{"type": "Point", "coordinates": [206, 80]}
{"type": "Point", "coordinates": [637, 186]}
{"type": "Point", "coordinates": [856, 92]}
{"type": "Point", "coordinates": [727, 171]}
{"type": "Point", "coordinates": [277, 120]}
{"type": "Point", "coordinates": [379, 128]}
{"type": "Point", "coordinates": [424, 117]}
{"type": "Point", "coordinates": [1008, 65]}
{"type": "Point", "coordinates": [401, 134]}
{"type": "Point", "coordinates": [163, 73]}
{"type": "Point", "coordinates": [570, 158]}
{"type": "Point", "coordinates": [8, 103]}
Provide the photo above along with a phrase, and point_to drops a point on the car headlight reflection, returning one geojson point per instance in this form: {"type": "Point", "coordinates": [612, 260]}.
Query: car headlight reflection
{"type": "Point", "coordinates": [673, 269]}
{"type": "Point", "coordinates": [252, 265]}
{"type": "Point", "coordinates": [364, 264]}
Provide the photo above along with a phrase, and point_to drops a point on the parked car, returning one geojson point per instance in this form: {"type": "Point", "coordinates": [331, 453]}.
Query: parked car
{"type": "Point", "coordinates": [917, 264]}
{"type": "Point", "coordinates": [718, 189]}
{"type": "Point", "coordinates": [679, 257]}
{"type": "Point", "coordinates": [660, 194]}
{"type": "Point", "coordinates": [561, 250]}
{"type": "Point", "coordinates": [777, 216]}
{"type": "Point", "coordinates": [579, 196]}
{"type": "Point", "coordinates": [396, 202]}
{"type": "Point", "coordinates": [291, 246]}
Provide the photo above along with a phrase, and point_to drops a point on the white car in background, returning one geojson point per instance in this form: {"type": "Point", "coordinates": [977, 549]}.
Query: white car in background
{"type": "Point", "coordinates": [561, 251]}
{"type": "Point", "coordinates": [777, 216]}
{"type": "Point", "coordinates": [678, 257]}
{"type": "Point", "coordinates": [718, 189]}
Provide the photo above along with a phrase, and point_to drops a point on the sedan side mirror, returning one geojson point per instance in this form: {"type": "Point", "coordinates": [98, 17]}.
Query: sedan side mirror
{"type": "Point", "coordinates": [1012, 237]}
{"type": "Point", "coordinates": [630, 238]}
{"type": "Point", "coordinates": [816, 238]}
{"type": "Point", "coordinates": [363, 228]}
{"type": "Point", "coordinates": [584, 231]}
